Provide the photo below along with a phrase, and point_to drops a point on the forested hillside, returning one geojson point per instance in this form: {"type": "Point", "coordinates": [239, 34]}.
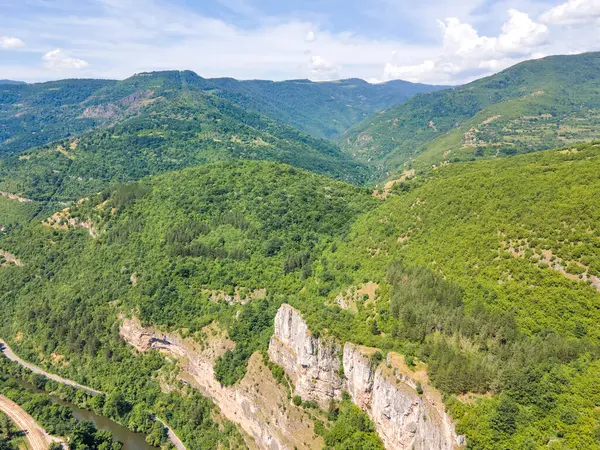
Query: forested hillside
{"type": "Point", "coordinates": [34, 114]}
{"type": "Point", "coordinates": [196, 207]}
{"type": "Point", "coordinates": [535, 105]}
{"type": "Point", "coordinates": [180, 250]}
{"type": "Point", "coordinates": [39, 113]}
{"type": "Point", "coordinates": [176, 130]}
{"type": "Point", "coordinates": [488, 271]}
{"type": "Point", "coordinates": [324, 109]}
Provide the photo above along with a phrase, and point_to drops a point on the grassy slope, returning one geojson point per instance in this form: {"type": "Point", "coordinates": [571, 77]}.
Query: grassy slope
{"type": "Point", "coordinates": [542, 104]}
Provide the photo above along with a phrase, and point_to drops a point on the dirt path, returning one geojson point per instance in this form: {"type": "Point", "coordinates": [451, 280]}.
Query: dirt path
{"type": "Point", "coordinates": [4, 348]}
{"type": "Point", "coordinates": [15, 197]}
{"type": "Point", "coordinates": [36, 436]}
{"type": "Point", "coordinates": [35, 369]}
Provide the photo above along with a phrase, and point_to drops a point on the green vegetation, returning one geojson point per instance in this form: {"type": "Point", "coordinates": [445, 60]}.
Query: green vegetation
{"type": "Point", "coordinates": [34, 114]}
{"type": "Point", "coordinates": [324, 109]}
{"type": "Point", "coordinates": [475, 287]}
{"type": "Point", "coordinates": [469, 265]}
{"type": "Point", "coordinates": [351, 429]}
{"type": "Point", "coordinates": [534, 105]}
{"type": "Point", "coordinates": [11, 438]}
{"type": "Point", "coordinates": [56, 419]}
{"type": "Point", "coordinates": [178, 130]}
{"type": "Point", "coordinates": [165, 245]}
{"type": "Point", "coordinates": [487, 271]}
{"type": "Point", "coordinates": [13, 212]}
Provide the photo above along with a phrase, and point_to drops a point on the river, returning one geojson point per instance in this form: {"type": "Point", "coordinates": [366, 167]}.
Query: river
{"type": "Point", "coordinates": [130, 440]}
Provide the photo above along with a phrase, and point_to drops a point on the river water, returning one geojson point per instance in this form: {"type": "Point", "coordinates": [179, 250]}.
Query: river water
{"type": "Point", "coordinates": [130, 440]}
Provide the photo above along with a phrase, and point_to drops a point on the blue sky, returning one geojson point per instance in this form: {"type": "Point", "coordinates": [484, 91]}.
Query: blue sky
{"type": "Point", "coordinates": [431, 41]}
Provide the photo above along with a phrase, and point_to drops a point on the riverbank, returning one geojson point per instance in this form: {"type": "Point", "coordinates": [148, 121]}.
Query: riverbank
{"type": "Point", "coordinates": [35, 369]}
{"type": "Point", "coordinates": [10, 354]}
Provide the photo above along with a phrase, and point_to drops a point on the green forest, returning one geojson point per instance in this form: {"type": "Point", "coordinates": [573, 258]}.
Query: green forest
{"type": "Point", "coordinates": [187, 202]}
{"type": "Point", "coordinates": [535, 105]}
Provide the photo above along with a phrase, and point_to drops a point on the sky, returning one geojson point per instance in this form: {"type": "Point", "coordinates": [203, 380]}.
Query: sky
{"type": "Point", "coordinates": [427, 41]}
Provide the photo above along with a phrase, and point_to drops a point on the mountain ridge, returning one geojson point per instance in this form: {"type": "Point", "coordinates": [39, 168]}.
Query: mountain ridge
{"type": "Point", "coordinates": [559, 96]}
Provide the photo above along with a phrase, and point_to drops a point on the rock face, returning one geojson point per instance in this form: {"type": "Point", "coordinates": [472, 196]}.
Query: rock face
{"type": "Point", "coordinates": [386, 391]}
{"type": "Point", "coordinates": [403, 418]}
{"type": "Point", "coordinates": [313, 365]}
{"type": "Point", "coordinates": [258, 404]}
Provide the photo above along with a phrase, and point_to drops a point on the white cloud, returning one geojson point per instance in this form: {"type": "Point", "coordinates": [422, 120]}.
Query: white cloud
{"type": "Point", "coordinates": [464, 50]}
{"type": "Point", "coordinates": [9, 43]}
{"type": "Point", "coordinates": [521, 34]}
{"type": "Point", "coordinates": [573, 12]}
{"type": "Point", "coordinates": [58, 60]}
{"type": "Point", "coordinates": [121, 39]}
{"type": "Point", "coordinates": [410, 73]}
{"type": "Point", "coordinates": [321, 69]}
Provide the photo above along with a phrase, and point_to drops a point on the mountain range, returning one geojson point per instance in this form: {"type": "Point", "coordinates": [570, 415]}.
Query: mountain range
{"type": "Point", "coordinates": [534, 105]}
{"type": "Point", "coordinates": [312, 265]}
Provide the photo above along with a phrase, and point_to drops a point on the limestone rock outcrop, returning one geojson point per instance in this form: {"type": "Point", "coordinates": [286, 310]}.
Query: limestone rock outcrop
{"type": "Point", "coordinates": [406, 416]}
{"type": "Point", "coordinates": [258, 403]}
{"type": "Point", "coordinates": [312, 364]}
{"type": "Point", "coordinates": [403, 418]}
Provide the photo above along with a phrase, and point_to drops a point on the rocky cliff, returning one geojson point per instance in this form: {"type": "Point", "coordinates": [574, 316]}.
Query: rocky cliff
{"type": "Point", "coordinates": [406, 416]}
{"type": "Point", "coordinates": [403, 418]}
{"type": "Point", "coordinates": [313, 365]}
{"type": "Point", "coordinates": [258, 403]}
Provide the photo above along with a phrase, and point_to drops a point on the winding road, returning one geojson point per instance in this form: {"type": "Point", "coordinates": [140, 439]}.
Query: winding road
{"type": "Point", "coordinates": [7, 351]}
{"type": "Point", "coordinates": [36, 436]}
{"type": "Point", "coordinates": [35, 369]}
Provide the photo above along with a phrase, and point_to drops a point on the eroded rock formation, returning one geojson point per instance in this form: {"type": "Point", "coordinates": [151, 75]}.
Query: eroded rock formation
{"type": "Point", "coordinates": [313, 365]}
{"type": "Point", "coordinates": [403, 418]}
{"type": "Point", "coordinates": [258, 403]}
{"type": "Point", "coordinates": [406, 416]}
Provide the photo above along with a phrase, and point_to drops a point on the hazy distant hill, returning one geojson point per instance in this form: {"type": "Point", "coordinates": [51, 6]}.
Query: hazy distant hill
{"type": "Point", "coordinates": [324, 109]}
{"type": "Point", "coordinates": [11, 82]}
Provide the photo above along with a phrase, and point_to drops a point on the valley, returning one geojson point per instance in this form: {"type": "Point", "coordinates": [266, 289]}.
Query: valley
{"type": "Point", "coordinates": [280, 265]}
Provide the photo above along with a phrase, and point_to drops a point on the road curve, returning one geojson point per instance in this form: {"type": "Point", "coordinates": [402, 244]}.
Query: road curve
{"type": "Point", "coordinates": [7, 351]}
{"type": "Point", "coordinates": [173, 437]}
{"type": "Point", "coordinates": [36, 436]}
{"type": "Point", "coordinates": [35, 369]}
